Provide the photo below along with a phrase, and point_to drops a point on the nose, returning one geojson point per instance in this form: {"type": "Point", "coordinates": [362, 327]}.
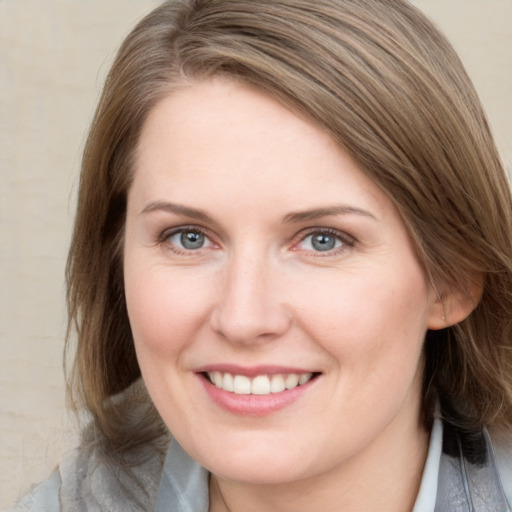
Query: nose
{"type": "Point", "coordinates": [248, 308]}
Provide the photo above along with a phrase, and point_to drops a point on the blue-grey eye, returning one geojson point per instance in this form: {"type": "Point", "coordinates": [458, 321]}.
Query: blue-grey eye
{"type": "Point", "coordinates": [192, 240]}
{"type": "Point", "coordinates": [321, 242]}
{"type": "Point", "coordinates": [189, 240]}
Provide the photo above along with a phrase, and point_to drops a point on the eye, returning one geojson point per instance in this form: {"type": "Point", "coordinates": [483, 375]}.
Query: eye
{"type": "Point", "coordinates": [324, 241]}
{"type": "Point", "coordinates": [188, 239]}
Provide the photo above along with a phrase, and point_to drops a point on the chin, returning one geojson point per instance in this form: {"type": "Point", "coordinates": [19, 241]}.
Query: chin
{"type": "Point", "coordinates": [260, 472]}
{"type": "Point", "coordinates": [257, 463]}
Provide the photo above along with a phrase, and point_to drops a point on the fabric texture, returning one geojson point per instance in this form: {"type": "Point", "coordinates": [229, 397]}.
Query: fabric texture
{"type": "Point", "coordinates": [469, 478]}
{"type": "Point", "coordinates": [84, 482]}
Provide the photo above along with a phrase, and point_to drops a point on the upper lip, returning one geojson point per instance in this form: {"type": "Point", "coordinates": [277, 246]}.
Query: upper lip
{"type": "Point", "coordinates": [253, 371]}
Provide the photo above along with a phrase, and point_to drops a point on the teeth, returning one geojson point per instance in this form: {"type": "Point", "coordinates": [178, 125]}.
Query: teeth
{"type": "Point", "coordinates": [277, 384]}
{"type": "Point", "coordinates": [304, 377]}
{"type": "Point", "coordinates": [291, 381]}
{"type": "Point", "coordinates": [259, 385]}
{"type": "Point", "coordinates": [227, 382]}
{"type": "Point", "coordinates": [217, 379]}
{"type": "Point", "coordinates": [242, 385]}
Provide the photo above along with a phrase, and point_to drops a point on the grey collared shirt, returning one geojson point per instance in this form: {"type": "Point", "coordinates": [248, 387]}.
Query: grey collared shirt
{"type": "Point", "coordinates": [184, 483]}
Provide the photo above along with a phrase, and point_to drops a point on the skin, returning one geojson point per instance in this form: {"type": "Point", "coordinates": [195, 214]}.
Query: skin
{"type": "Point", "coordinates": [258, 292]}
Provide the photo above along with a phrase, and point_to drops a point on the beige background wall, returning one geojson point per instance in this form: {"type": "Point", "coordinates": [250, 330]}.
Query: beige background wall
{"type": "Point", "coordinates": [53, 57]}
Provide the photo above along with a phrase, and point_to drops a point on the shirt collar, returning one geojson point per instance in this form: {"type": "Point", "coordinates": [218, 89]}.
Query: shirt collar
{"type": "Point", "coordinates": [184, 483]}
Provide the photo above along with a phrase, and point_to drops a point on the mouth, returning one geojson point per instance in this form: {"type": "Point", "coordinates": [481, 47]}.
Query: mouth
{"type": "Point", "coordinates": [261, 385]}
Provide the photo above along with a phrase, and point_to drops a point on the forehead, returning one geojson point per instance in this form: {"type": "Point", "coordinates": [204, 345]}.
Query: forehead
{"type": "Point", "coordinates": [231, 139]}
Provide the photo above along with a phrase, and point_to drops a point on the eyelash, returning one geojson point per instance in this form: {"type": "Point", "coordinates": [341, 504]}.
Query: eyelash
{"type": "Point", "coordinates": [163, 239]}
{"type": "Point", "coordinates": [346, 240]}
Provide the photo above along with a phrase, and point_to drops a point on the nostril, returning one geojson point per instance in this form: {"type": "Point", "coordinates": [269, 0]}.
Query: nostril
{"type": "Point", "coordinates": [245, 326]}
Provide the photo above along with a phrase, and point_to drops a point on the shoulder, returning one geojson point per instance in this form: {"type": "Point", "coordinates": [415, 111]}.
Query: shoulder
{"type": "Point", "coordinates": [92, 479]}
{"type": "Point", "coordinates": [503, 454]}
{"type": "Point", "coordinates": [44, 497]}
{"type": "Point", "coordinates": [184, 483]}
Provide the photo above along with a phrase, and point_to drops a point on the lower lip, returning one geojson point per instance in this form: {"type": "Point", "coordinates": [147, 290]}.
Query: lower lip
{"type": "Point", "coordinates": [254, 405]}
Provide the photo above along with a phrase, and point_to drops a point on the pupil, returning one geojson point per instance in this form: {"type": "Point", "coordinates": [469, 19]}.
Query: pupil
{"type": "Point", "coordinates": [323, 242]}
{"type": "Point", "coordinates": [192, 240]}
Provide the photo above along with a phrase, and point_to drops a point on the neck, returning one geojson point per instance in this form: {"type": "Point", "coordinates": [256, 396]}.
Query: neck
{"type": "Point", "coordinates": [386, 477]}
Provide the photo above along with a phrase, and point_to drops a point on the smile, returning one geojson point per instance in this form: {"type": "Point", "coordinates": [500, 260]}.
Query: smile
{"type": "Point", "coordinates": [258, 385]}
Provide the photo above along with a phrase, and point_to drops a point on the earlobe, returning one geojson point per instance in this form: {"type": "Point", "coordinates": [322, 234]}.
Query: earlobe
{"type": "Point", "coordinates": [452, 306]}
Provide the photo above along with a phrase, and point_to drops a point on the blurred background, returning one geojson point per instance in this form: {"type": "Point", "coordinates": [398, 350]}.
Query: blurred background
{"type": "Point", "coordinates": [54, 56]}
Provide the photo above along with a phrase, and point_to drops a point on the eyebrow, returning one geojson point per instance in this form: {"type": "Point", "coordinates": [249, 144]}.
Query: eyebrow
{"type": "Point", "coordinates": [178, 209]}
{"type": "Point", "coordinates": [328, 211]}
{"type": "Point", "coordinates": [290, 218]}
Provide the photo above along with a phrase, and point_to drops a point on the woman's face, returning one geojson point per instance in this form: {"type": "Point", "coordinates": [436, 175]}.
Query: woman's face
{"type": "Point", "coordinates": [259, 257]}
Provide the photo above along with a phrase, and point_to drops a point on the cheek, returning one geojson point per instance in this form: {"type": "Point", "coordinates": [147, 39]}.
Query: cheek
{"type": "Point", "coordinates": [164, 308]}
{"type": "Point", "coordinates": [371, 321]}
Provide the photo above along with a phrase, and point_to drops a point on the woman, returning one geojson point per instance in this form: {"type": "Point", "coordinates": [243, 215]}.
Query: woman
{"type": "Point", "coordinates": [293, 238]}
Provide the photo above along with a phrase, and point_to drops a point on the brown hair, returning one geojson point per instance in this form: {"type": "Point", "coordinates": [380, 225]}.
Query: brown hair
{"type": "Point", "coordinates": [389, 88]}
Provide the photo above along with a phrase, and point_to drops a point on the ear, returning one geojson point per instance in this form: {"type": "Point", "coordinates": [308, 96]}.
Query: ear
{"type": "Point", "coordinates": [451, 305]}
